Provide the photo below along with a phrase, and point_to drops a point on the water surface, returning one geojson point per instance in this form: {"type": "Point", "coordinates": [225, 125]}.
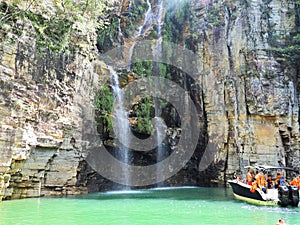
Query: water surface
{"type": "Point", "coordinates": [175, 206]}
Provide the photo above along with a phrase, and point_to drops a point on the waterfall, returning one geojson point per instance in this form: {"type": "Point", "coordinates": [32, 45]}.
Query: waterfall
{"type": "Point", "coordinates": [141, 31]}
{"type": "Point", "coordinates": [160, 19]}
{"type": "Point", "coordinates": [153, 15]}
{"type": "Point", "coordinates": [148, 20]}
{"type": "Point", "coordinates": [121, 124]}
{"type": "Point", "coordinates": [158, 121]}
{"type": "Point", "coordinates": [120, 35]}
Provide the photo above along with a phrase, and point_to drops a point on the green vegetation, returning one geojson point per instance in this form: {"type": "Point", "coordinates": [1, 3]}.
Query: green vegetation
{"type": "Point", "coordinates": [289, 51]}
{"type": "Point", "coordinates": [143, 69]}
{"type": "Point", "coordinates": [143, 113]}
{"type": "Point", "coordinates": [53, 21]}
{"type": "Point", "coordinates": [52, 34]}
{"type": "Point", "coordinates": [175, 22]}
{"type": "Point", "coordinates": [292, 50]}
{"type": "Point", "coordinates": [215, 17]}
{"type": "Point", "coordinates": [136, 14]}
{"type": "Point", "coordinates": [103, 109]}
{"type": "Point", "coordinates": [107, 35]}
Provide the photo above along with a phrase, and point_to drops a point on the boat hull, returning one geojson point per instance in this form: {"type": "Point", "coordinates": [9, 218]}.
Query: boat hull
{"type": "Point", "coordinates": [256, 202]}
{"type": "Point", "coordinates": [242, 192]}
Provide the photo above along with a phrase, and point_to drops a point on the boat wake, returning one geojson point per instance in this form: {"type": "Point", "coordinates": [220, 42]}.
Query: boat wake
{"type": "Point", "coordinates": [271, 209]}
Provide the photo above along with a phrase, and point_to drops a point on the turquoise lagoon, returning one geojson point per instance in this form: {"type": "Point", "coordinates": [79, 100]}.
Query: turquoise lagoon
{"type": "Point", "coordinates": [165, 206]}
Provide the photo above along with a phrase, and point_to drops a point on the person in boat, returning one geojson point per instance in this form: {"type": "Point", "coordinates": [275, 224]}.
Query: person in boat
{"type": "Point", "coordinates": [249, 176]}
{"type": "Point", "coordinates": [296, 182]}
{"type": "Point", "coordinates": [254, 182]}
{"type": "Point", "coordinates": [260, 182]}
{"type": "Point", "coordinates": [238, 178]}
{"type": "Point", "coordinates": [279, 180]}
{"type": "Point", "coordinates": [269, 181]}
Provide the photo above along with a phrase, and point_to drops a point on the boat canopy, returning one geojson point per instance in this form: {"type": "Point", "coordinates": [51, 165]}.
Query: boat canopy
{"type": "Point", "coordinates": [263, 167]}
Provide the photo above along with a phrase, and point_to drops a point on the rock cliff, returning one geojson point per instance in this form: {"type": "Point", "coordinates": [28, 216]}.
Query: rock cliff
{"type": "Point", "coordinates": [43, 94]}
{"type": "Point", "coordinates": [249, 89]}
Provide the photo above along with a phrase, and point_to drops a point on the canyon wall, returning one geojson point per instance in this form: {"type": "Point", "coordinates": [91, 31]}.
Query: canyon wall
{"type": "Point", "coordinates": [43, 96]}
{"type": "Point", "coordinates": [250, 90]}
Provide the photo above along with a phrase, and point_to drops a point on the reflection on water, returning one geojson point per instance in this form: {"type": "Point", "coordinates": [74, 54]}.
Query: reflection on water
{"type": "Point", "coordinates": [186, 206]}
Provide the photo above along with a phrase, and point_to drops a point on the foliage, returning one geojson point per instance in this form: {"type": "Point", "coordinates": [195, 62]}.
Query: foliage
{"type": "Point", "coordinates": [215, 17]}
{"type": "Point", "coordinates": [136, 13]}
{"type": "Point", "coordinates": [175, 21]}
{"type": "Point", "coordinates": [289, 51]}
{"type": "Point", "coordinates": [107, 35]}
{"type": "Point", "coordinates": [292, 51]}
{"type": "Point", "coordinates": [143, 113]}
{"type": "Point", "coordinates": [54, 21]}
{"type": "Point", "coordinates": [143, 69]}
{"type": "Point", "coordinates": [52, 34]}
{"type": "Point", "coordinates": [103, 108]}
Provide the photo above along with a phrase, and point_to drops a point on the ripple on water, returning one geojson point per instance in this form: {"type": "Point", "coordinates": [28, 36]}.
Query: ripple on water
{"type": "Point", "coordinates": [274, 209]}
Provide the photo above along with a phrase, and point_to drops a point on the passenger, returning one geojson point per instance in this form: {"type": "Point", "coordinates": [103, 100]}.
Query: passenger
{"type": "Point", "coordinates": [254, 186]}
{"type": "Point", "coordinates": [253, 177]}
{"type": "Point", "coordinates": [281, 222]}
{"type": "Point", "coordinates": [261, 181]}
{"type": "Point", "coordinates": [270, 182]}
{"type": "Point", "coordinates": [236, 177]}
{"type": "Point", "coordinates": [277, 179]}
{"type": "Point", "coordinates": [282, 180]}
{"type": "Point", "coordinates": [296, 182]}
{"type": "Point", "coordinates": [249, 176]}
{"type": "Point", "coordinates": [256, 175]}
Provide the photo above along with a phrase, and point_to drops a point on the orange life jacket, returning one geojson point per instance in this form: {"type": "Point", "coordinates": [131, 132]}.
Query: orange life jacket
{"type": "Point", "coordinates": [261, 181]}
{"type": "Point", "coordinates": [296, 182]}
{"type": "Point", "coordinates": [254, 186]}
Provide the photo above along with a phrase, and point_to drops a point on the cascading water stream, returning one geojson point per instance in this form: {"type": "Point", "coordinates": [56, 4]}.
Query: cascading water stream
{"type": "Point", "coordinates": [153, 15]}
{"type": "Point", "coordinates": [158, 121]}
{"type": "Point", "coordinates": [141, 31]}
{"type": "Point", "coordinates": [120, 35]}
{"type": "Point", "coordinates": [121, 125]}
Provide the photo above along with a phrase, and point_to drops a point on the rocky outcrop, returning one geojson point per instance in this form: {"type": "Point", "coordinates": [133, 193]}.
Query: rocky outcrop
{"type": "Point", "coordinates": [43, 97]}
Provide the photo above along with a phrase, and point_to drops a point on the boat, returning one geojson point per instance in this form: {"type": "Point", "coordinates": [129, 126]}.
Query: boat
{"type": "Point", "coordinates": [285, 195]}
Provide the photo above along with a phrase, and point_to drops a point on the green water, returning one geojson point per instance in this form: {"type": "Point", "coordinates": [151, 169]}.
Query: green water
{"type": "Point", "coordinates": [183, 206]}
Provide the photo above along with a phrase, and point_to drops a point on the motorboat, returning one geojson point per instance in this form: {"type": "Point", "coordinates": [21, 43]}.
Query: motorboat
{"type": "Point", "coordinates": [284, 195]}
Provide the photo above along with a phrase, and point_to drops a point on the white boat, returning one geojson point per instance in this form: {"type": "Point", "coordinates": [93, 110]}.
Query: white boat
{"type": "Point", "coordinates": [283, 196]}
